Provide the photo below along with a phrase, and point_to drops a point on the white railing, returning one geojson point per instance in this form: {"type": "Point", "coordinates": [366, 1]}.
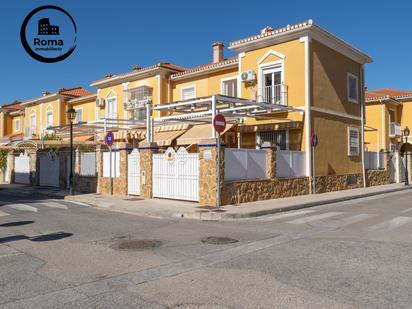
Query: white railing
{"type": "Point", "coordinates": [137, 97]}
{"type": "Point", "coordinates": [28, 132]}
{"type": "Point", "coordinates": [276, 94]}
{"type": "Point", "coordinates": [115, 164]}
{"type": "Point", "coordinates": [244, 164]}
{"type": "Point", "coordinates": [394, 129]}
{"type": "Point", "coordinates": [374, 160]}
{"type": "Point", "coordinates": [290, 164]}
{"type": "Point", "coordinates": [88, 164]}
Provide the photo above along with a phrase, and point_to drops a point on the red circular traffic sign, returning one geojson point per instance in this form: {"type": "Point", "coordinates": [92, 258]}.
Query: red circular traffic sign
{"type": "Point", "coordinates": [219, 123]}
{"type": "Point", "coordinates": [109, 138]}
{"type": "Point", "coordinates": [314, 140]}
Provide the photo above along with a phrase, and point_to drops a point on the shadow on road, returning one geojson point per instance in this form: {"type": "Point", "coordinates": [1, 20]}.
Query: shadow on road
{"type": "Point", "coordinates": [39, 238]}
{"type": "Point", "coordinates": [16, 223]}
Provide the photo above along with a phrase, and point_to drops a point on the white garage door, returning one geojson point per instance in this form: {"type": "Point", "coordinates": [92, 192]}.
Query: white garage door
{"type": "Point", "coordinates": [49, 170]}
{"type": "Point", "coordinates": [22, 169]}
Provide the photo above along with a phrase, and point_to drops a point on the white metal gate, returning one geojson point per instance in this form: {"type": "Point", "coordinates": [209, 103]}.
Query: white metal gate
{"type": "Point", "coordinates": [49, 170]}
{"type": "Point", "coordinates": [22, 169]}
{"type": "Point", "coordinates": [133, 173]}
{"type": "Point", "coordinates": [176, 175]}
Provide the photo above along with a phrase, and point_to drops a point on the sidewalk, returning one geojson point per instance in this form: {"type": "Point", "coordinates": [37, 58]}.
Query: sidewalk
{"type": "Point", "coordinates": [160, 208]}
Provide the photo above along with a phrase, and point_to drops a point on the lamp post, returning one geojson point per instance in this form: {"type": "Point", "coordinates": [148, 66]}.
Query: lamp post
{"type": "Point", "coordinates": [71, 115]}
{"type": "Point", "coordinates": [406, 133]}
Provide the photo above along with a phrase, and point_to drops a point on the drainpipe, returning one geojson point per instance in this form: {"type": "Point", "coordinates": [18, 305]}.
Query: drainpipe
{"type": "Point", "coordinates": [363, 125]}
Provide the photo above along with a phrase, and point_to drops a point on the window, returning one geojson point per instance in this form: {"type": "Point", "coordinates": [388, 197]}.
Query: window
{"type": "Point", "coordinates": [79, 115]}
{"type": "Point", "coordinates": [229, 87]}
{"type": "Point", "coordinates": [353, 88]}
{"type": "Point", "coordinates": [353, 141]}
{"type": "Point", "coordinates": [188, 93]}
{"type": "Point", "coordinates": [111, 108]}
{"type": "Point", "coordinates": [32, 129]}
{"type": "Point", "coordinates": [277, 138]}
{"type": "Point", "coordinates": [17, 125]}
{"type": "Point", "coordinates": [49, 119]}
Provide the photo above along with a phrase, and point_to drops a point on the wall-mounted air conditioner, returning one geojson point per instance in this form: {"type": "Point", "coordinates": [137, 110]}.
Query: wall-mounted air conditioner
{"type": "Point", "coordinates": [248, 76]}
{"type": "Point", "coordinates": [100, 102]}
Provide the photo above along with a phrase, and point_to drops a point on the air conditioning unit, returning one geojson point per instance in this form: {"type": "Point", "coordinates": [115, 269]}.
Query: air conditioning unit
{"type": "Point", "coordinates": [100, 102]}
{"type": "Point", "coordinates": [248, 76]}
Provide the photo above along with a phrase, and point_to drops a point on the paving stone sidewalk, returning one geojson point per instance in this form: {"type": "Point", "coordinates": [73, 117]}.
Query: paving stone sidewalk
{"type": "Point", "coordinates": [161, 208]}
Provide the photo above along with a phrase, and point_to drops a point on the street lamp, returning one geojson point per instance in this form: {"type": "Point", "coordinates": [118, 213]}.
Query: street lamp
{"type": "Point", "coordinates": [406, 133]}
{"type": "Point", "coordinates": [71, 115]}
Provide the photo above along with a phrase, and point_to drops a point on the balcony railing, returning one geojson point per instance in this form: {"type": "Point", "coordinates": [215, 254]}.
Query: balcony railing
{"type": "Point", "coordinates": [137, 97]}
{"type": "Point", "coordinates": [394, 129]}
{"type": "Point", "coordinates": [276, 94]}
{"type": "Point", "coordinates": [29, 132]}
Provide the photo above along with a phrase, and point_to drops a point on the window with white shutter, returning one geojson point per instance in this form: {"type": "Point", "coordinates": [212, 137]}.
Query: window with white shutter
{"type": "Point", "coordinates": [353, 141]}
{"type": "Point", "coordinates": [353, 88]}
{"type": "Point", "coordinates": [188, 93]}
{"type": "Point", "coordinates": [79, 115]}
{"type": "Point", "coordinates": [229, 87]}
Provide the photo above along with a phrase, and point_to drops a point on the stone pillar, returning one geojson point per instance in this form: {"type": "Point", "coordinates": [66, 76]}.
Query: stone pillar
{"type": "Point", "coordinates": [34, 176]}
{"type": "Point", "coordinates": [270, 159]}
{"type": "Point", "coordinates": [146, 150]}
{"type": "Point", "coordinates": [10, 159]}
{"type": "Point", "coordinates": [99, 168]}
{"type": "Point", "coordinates": [208, 170]}
{"type": "Point", "coordinates": [120, 183]}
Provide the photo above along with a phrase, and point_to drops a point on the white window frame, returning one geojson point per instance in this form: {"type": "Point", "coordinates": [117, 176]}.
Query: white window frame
{"type": "Point", "coordinates": [227, 79]}
{"type": "Point", "coordinates": [353, 129]}
{"type": "Point", "coordinates": [15, 122]}
{"type": "Point", "coordinates": [107, 100]}
{"type": "Point", "coordinates": [32, 125]}
{"type": "Point", "coordinates": [352, 100]}
{"type": "Point", "coordinates": [49, 111]}
{"type": "Point", "coordinates": [77, 110]}
{"type": "Point", "coordinates": [188, 87]}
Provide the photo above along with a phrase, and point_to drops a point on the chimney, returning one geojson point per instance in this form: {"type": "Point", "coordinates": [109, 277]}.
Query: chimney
{"type": "Point", "coordinates": [45, 93]}
{"type": "Point", "coordinates": [218, 52]}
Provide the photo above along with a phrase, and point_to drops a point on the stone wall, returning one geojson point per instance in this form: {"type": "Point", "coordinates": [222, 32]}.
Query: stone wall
{"type": "Point", "coordinates": [236, 192]}
{"type": "Point", "coordinates": [332, 183]}
{"type": "Point", "coordinates": [377, 177]}
{"type": "Point", "coordinates": [146, 168]}
{"type": "Point", "coordinates": [208, 171]}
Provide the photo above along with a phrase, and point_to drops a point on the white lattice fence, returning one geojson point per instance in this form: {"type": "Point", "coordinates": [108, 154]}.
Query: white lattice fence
{"type": "Point", "coordinates": [88, 164]}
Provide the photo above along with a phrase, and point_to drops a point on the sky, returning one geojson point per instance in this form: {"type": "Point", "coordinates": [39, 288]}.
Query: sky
{"type": "Point", "coordinates": [114, 36]}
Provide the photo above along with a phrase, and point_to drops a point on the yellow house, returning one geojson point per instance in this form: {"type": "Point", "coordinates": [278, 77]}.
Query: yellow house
{"type": "Point", "coordinates": [302, 67]}
{"type": "Point", "coordinates": [11, 122]}
{"type": "Point", "coordinates": [49, 110]}
{"type": "Point", "coordinates": [388, 112]}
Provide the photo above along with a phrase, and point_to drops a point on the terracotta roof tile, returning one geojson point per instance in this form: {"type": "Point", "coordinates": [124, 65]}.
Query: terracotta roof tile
{"type": "Point", "coordinates": [75, 92]}
{"type": "Point", "coordinates": [387, 93]}
{"type": "Point", "coordinates": [139, 70]}
{"type": "Point", "coordinates": [11, 107]}
{"type": "Point", "coordinates": [207, 66]}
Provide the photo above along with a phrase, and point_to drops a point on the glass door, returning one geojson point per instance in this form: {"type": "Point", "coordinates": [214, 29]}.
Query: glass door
{"type": "Point", "coordinates": [272, 83]}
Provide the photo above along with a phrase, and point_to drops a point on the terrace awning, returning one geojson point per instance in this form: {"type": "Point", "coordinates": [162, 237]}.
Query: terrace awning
{"type": "Point", "coordinates": [198, 132]}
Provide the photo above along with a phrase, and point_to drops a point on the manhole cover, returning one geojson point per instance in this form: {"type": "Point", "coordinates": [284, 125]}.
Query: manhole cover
{"type": "Point", "coordinates": [131, 244]}
{"type": "Point", "coordinates": [215, 240]}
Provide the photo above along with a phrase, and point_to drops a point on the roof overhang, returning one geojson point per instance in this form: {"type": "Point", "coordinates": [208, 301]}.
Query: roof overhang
{"type": "Point", "coordinates": [208, 69]}
{"type": "Point", "coordinates": [289, 33]}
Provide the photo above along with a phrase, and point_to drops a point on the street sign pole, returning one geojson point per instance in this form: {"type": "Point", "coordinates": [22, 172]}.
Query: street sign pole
{"type": "Point", "coordinates": [314, 143]}
{"type": "Point", "coordinates": [219, 123]}
{"type": "Point", "coordinates": [110, 171]}
{"type": "Point", "coordinates": [109, 140]}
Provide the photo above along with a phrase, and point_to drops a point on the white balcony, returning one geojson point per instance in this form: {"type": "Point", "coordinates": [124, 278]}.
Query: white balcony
{"type": "Point", "coordinates": [394, 129]}
{"type": "Point", "coordinates": [276, 94]}
{"type": "Point", "coordinates": [29, 132]}
{"type": "Point", "coordinates": [137, 97]}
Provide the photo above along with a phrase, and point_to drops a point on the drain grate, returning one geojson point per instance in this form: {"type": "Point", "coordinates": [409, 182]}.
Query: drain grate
{"type": "Point", "coordinates": [136, 244]}
{"type": "Point", "coordinates": [215, 240]}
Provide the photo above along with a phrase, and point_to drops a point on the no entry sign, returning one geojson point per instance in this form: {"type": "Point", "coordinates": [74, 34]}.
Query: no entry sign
{"type": "Point", "coordinates": [219, 123]}
{"type": "Point", "coordinates": [109, 138]}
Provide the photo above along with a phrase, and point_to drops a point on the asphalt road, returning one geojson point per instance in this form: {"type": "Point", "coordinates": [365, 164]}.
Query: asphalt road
{"type": "Point", "coordinates": [57, 254]}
